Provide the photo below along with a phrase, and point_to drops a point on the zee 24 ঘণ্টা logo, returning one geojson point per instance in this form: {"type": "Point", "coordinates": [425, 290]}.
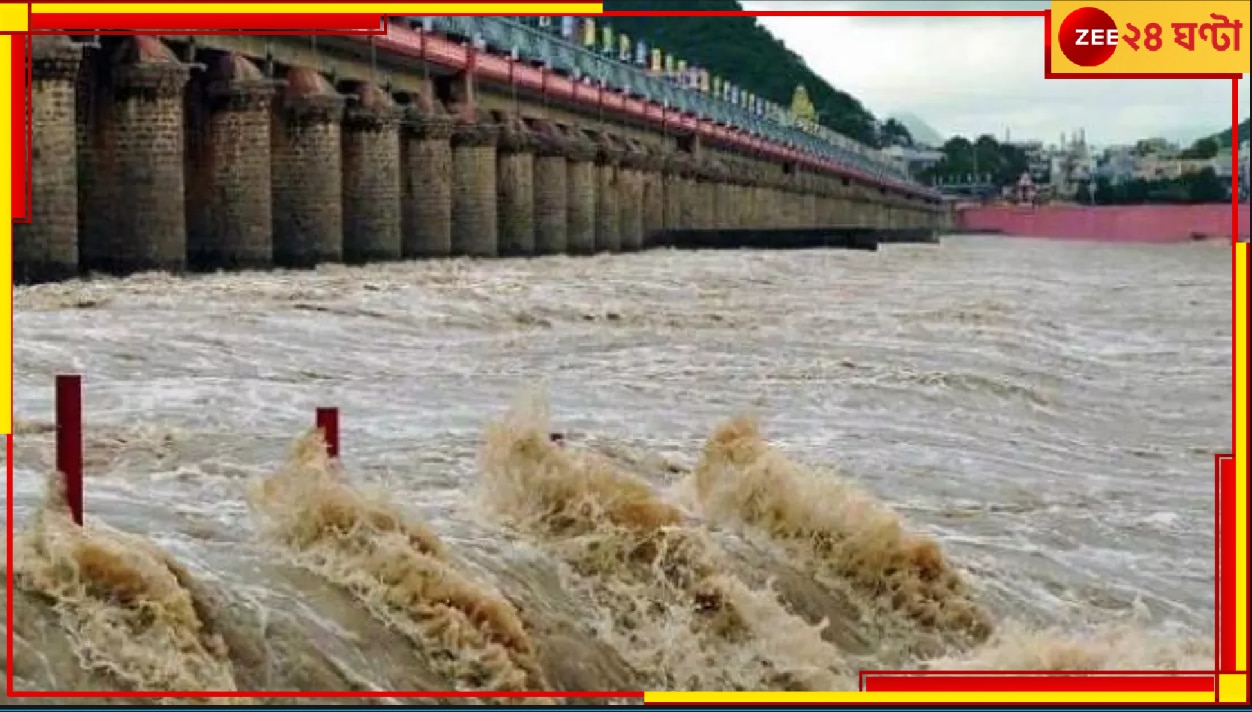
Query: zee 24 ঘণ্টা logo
{"type": "Point", "coordinates": [1089, 36]}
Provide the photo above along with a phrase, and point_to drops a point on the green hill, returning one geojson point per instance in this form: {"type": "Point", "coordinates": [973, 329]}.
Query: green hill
{"type": "Point", "coordinates": [1208, 146]}
{"type": "Point", "coordinates": [746, 53]}
{"type": "Point", "coordinates": [1223, 137]}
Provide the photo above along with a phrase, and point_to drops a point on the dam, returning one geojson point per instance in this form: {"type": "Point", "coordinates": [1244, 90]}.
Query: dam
{"type": "Point", "coordinates": [179, 152]}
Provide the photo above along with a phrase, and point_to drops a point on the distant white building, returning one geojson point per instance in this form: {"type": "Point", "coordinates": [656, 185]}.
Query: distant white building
{"type": "Point", "coordinates": [1117, 164]}
{"type": "Point", "coordinates": [1162, 148]}
{"type": "Point", "coordinates": [1072, 165]}
{"type": "Point", "coordinates": [912, 161]}
{"type": "Point", "coordinates": [1223, 164]}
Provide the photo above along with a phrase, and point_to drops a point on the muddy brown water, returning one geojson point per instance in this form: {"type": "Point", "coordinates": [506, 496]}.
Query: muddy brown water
{"type": "Point", "coordinates": [780, 468]}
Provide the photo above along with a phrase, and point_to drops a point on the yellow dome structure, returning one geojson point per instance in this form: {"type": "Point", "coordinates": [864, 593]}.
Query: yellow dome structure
{"type": "Point", "coordinates": [801, 106]}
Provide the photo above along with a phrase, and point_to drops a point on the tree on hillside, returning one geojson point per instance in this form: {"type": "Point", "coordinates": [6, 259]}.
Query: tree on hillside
{"type": "Point", "coordinates": [744, 52]}
{"type": "Point", "coordinates": [894, 133]}
{"type": "Point", "coordinates": [1200, 187]}
{"type": "Point", "coordinates": [1205, 187]}
{"type": "Point", "coordinates": [1204, 148]}
{"type": "Point", "coordinates": [1223, 138]}
{"type": "Point", "coordinates": [983, 159]}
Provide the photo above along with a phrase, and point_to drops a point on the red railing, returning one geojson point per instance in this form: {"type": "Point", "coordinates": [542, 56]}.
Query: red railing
{"type": "Point", "coordinates": [442, 51]}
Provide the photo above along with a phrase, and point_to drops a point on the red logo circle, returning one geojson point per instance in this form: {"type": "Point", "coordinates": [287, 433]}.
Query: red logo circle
{"type": "Point", "coordinates": [1085, 37]}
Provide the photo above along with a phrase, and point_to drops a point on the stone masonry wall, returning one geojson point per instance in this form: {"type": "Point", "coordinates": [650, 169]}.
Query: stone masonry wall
{"type": "Point", "coordinates": [551, 208]}
{"type": "Point", "coordinates": [308, 181]}
{"type": "Point", "coordinates": [140, 166]}
{"type": "Point", "coordinates": [515, 189]}
{"type": "Point", "coordinates": [474, 212]}
{"type": "Point", "coordinates": [93, 139]}
{"type": "Point", "coordinates": [235, 228]}
{"type": "Point", "coordinates": [653, 205]}
{"type": "Point", "coordinates": [608, 232]}
{"type": "Point", "coordinates": [427, 193]}
{"type": "Point", "coordinates": [46, 249]}
{"type": "Point", "coordinates": [631, 220]}
{"type": "Point", "coordinates": [371, 181]}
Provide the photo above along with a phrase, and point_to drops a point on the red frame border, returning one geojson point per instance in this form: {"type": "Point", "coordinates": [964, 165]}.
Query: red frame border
{"type": "Point", "coordinates": [935, 681]}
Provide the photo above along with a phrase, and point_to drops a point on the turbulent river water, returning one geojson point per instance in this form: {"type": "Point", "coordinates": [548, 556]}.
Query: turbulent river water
{"type": "Point", "coordinates": [780, 468]}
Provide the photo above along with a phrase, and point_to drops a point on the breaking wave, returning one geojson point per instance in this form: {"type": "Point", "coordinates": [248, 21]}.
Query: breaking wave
{"type": "Point", "coordinates": [126, 607]}
{"type": "Point", "coordinates": [398, 568]}
{"type": "Point", "coordinates": [666, 600]}
{"type": "Point", "coordinates": [833, 529]}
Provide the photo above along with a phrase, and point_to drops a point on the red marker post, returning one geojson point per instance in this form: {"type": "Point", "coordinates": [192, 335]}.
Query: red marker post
{"type": "Point", "coordinates": [328, 423]}
{"type": "Point", "coordinates": [69, 419]}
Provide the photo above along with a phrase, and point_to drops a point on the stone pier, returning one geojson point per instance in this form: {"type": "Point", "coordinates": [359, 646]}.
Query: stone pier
{"type": "Point", "coordinates": [474, 213]}
{"type": "Point", "coordinates": [581, 183]}
{"type": "Point", "coordinates": [308, 171]}
{"type": "Point", "coordinates": [653, 170]}
{"type": "Point", "coordinates": [134, 217]}
{"type": "Point", "coordinates": [630, 179]}
{"type": "Point", "coordinates": [229, 200]}
{"type": "Point", "coordinates": [372, 221]}
{"type": "Point", "coordinates": [515, 194]}
{"type": "Point", "coordinates": [551, 189]}
{"type": "Point", "coordinates": [46, 248]}
{"type": "Point", "coordinates": [608, 193]}
{"type": "Point", "coordinates": [426, 178]}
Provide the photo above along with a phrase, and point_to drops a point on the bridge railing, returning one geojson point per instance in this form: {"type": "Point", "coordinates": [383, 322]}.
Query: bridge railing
{"type": "Point", "coordinates": [504, 36]}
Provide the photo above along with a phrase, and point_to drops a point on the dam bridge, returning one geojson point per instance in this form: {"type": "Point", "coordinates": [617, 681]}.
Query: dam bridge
{"type": "Point", "coordinates": [449, 136]}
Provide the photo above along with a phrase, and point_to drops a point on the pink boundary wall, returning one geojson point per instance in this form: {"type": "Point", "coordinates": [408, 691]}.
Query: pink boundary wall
{"type": "Point", "coordinates": [1112, 223]}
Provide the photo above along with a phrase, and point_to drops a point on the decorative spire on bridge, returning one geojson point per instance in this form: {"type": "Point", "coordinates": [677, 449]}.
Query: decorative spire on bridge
{"type": "Point", "coordinates": [801, 106]}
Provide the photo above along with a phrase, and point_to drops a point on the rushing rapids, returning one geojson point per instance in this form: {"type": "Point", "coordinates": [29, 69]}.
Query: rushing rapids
{"type": "Point", "coordinates": [779, 469]}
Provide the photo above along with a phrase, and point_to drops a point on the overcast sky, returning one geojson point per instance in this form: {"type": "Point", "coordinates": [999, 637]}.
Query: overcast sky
{"type": "Point", "coordinates": [983, 75]}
